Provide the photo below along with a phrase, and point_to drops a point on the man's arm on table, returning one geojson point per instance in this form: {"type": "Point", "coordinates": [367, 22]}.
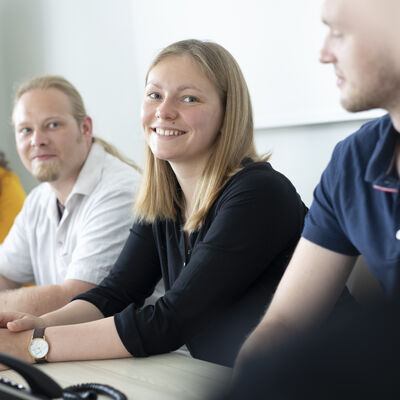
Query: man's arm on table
{"type": "Point", "coordinates": [38, 300]}
{"type": "Point", "coordinates": [310, 287]}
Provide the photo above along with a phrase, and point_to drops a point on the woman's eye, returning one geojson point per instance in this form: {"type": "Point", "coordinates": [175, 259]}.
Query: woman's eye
{"type": "Point", "coordinates": [154, 96]}
{"type": "Point", "coordinates": [190, 99]}
{"type": "Point", "coordinates": [53, 125]}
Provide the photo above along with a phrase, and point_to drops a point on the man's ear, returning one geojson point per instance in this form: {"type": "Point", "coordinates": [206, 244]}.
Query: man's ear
{"type": "Point", "coordinates": [87, 128]}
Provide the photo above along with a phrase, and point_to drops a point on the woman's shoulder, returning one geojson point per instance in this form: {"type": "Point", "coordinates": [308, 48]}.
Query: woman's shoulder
{"type": "Point", "coordinates": [259, 175]}
{"type": "Point", "coordinates": [259, 186]}
{"type": "Point", "coordinates": [258, 189]}
{"type": "Point", "coordinates": [7, 177]}
{"type": "Point", "coordinates": [11, 183]}
{"type": "Point", "coordinates": [3, 172]}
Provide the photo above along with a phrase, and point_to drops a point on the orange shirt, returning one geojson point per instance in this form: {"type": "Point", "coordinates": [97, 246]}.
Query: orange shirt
{"type": "Point", "coordinates": [12, 198]}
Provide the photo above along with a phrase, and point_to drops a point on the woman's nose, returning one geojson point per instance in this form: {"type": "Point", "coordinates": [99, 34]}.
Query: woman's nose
{"type": "Point", "coordinates": [166, 110]}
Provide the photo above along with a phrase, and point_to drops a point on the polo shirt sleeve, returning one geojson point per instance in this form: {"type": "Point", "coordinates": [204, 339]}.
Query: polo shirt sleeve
{"type": "Point", "coordinates": [101, 234]}
{"type": "Point", "coordinates": [133, 276]}
{"type": "Point", "coordinates": [325, 221]}
{"type": "Point", "coordinates": [258, 221]}
{"type": "Point", "coordinates": [15, 260]}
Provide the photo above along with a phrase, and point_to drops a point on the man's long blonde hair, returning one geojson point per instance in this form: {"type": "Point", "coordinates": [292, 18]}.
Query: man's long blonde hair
{"type": "Point", "coordinates": [78, 107]}
{"type": "Point", "coordinates": [159, 195]}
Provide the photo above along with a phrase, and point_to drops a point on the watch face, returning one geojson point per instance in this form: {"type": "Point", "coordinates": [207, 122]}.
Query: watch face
{"type": "Point", "coordinates": [38, 348]}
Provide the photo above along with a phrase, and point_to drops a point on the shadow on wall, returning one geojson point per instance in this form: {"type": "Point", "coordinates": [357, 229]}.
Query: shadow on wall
{"type": "Point", "coordinates": [22, 30]}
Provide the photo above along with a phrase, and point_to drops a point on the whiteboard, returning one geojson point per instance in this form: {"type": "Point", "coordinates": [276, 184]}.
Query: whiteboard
{"type": "Point", "coordinates": [276, 43]}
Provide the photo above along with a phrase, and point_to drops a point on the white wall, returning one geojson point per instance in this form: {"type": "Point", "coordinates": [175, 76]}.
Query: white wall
{"type": "Point", "coordinates": [276, 43]}
{"type": "Point", "coordinates": [103, 47]}
{"type": "Point", "coordinates": [90, 43]}
{"type": "Point", "coordinates": [3, 92]}
{"type": "Point", "coordinates": [22, 56]}
{"type": "Point", "coordinates": [302, 152]}
{"type": "Point", "coordinates": [4, 128]}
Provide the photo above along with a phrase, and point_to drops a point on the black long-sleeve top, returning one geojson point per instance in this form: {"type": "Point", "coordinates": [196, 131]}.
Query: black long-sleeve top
{"type": "Point", "coordinates": [216, 290]}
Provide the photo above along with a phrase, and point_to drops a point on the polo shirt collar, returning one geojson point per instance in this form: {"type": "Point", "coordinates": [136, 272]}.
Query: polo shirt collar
{"type": "Point", "coordinates": [52, 211]}
{"type": "Point", "coordinates": [90, 173]}
{"type": "Point", "coordinates": [381, 168]}
{"type": "Point", "coordinates": [88, 179]}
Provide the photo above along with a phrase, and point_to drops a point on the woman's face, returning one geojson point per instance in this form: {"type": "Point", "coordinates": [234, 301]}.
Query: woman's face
{"type": "Point", "coordinates": [181, 112]}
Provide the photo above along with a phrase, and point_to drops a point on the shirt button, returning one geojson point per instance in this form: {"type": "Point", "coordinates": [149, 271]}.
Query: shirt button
{"type": "Point", "coordinates": [398, 235]}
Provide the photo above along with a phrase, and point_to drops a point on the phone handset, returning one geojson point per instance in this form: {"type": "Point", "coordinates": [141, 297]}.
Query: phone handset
{"type": "Point", "coordinates": [40, 384]}
{"type": "Point", "coordinates": [43, 387]}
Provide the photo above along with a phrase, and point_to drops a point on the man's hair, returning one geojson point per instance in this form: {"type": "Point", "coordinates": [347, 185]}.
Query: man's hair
{"type": "Point", "coordinates": [159, 194]}
{"type": "Point", "coordinates": [55, 82]}
{"type": "Point", "coordinates": [78, 107]}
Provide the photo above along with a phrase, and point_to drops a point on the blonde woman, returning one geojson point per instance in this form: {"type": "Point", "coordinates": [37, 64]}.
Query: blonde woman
{"type": "Point", "coordinates": [214, 221]}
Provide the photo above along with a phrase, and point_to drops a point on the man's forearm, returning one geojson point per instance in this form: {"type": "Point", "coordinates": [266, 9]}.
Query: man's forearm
{"type": "Point", "coordinates": [268, 335]}
{"type": "Point", "coordinates": [6, 283]}
{"type": "Point", "coordinates": [35, 300]}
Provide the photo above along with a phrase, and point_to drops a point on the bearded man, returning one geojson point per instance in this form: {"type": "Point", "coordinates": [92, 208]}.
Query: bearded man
{"type": "Point", "coordinates": [72, 226]}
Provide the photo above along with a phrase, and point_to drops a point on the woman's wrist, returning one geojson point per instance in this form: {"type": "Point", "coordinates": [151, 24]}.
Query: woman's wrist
{"type": "Point", "coordinates": [22, 347]}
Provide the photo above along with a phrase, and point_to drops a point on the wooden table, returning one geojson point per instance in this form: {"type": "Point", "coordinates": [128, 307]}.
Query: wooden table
{"type": "Point", "coordinates": [168, 376]}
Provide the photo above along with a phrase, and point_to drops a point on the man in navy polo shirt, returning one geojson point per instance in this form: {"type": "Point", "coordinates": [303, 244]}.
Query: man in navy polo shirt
{"type": "Point", "coordinates": [356, 209]}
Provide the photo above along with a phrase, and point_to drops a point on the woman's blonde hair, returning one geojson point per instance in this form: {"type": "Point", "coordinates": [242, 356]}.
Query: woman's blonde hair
{"type": "Point", "coordinates": [159, 194]}
{"type": "Point", "coordinates": [78, 107]}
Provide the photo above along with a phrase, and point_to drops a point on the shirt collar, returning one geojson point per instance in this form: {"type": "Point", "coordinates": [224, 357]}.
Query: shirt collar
{"type": "Point", "coordinates": [88, 178]}
{"type": "Point", "coordinates": [90, 173]}
{"type": "Point", "coordinates": [381, 172]}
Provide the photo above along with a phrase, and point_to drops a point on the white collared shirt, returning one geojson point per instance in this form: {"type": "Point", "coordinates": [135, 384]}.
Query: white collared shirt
{"type": "Point", "coordinates": [87, 240]}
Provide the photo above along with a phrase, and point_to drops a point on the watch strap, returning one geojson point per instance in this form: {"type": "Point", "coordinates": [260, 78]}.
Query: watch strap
{"type": "Point", "coordinates": [38, 333]}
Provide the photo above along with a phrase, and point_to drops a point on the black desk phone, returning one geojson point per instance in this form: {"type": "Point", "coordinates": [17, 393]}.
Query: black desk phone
{"type": "Point", "coordinates": [42, 387]}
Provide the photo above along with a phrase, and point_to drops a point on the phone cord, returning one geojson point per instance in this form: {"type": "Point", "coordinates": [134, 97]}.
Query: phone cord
{"type": "Point", "coordinates": [89, 391]}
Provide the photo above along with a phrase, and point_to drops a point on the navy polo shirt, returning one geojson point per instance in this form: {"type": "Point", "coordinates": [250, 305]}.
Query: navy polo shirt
{"type": "Point", "coordinates": [356, 207]}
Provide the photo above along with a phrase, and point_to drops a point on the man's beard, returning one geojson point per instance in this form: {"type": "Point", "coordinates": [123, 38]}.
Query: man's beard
{"type": "Point", "coordinates": [382, 91]}
{"type": "Point", "coordinates": [47, 171]}
{"type": "Point", "coordinates": [357, 101]}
